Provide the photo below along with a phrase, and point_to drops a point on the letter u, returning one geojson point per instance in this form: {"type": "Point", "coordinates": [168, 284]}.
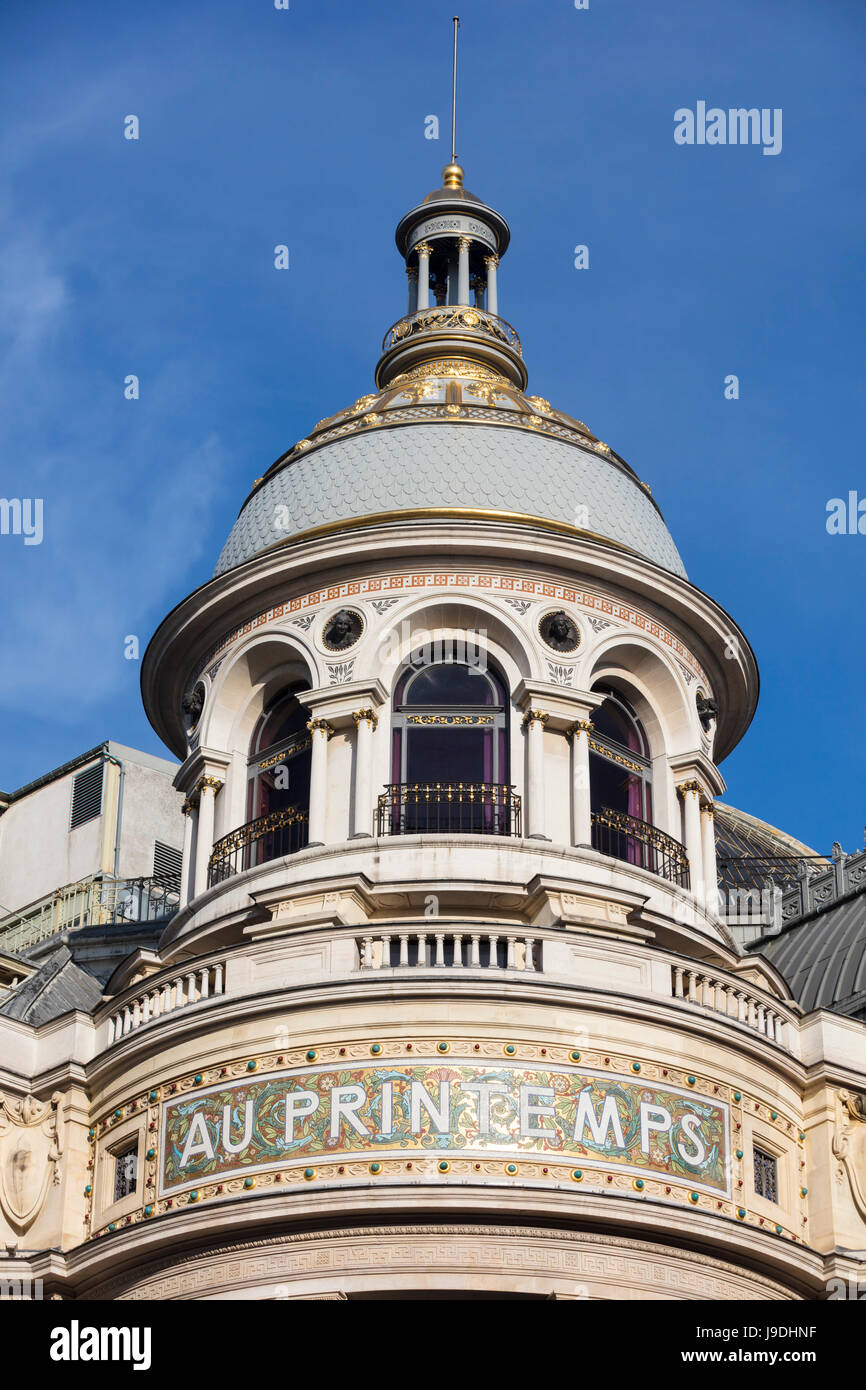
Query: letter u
{"type": "Point", "coordinates": [228, 1145]}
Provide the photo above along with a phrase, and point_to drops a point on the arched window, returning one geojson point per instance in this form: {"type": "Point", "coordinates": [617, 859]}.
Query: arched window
{"type": "Point", "coordinates": [620, 772]}
{"type": "Point", "coordinates": [450, 764]}
{"type": "Point", "coordinates": [280, 755]}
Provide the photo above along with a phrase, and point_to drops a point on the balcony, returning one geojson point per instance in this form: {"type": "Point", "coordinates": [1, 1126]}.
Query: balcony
{"type": "Point", "coordinates": [270, 837]}
{"type": "Point", "coordinates": [621, 836]}
{"type": "Point", "coordinates": [448, 808]}
{"type": "Point", "coordinates": [92, 902]}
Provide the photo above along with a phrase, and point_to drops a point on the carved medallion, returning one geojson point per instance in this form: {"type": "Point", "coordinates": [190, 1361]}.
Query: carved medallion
{"type": "Point", "coordinates": [342, 630]}
{"type": "Point", "coordinates": [559, 631]}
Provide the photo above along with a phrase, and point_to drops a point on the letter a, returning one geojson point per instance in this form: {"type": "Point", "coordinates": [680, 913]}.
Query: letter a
{"type": "Point", "coordinates": [684, 131]}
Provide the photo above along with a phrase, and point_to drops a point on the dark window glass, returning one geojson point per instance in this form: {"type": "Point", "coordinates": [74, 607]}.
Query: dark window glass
{"type": "Point", "coordinates": [280, 740]}
{"type": "Point", "coordinates": [766, 1175]}
{"type": "Point", "coordinates": [286, 716]}
{"type": "Point", "coordinates": [450, 684]}
{"type": "Point", "coordinates": [125, 1172]}
{"type": "Point", "coordinates": [614, 719]}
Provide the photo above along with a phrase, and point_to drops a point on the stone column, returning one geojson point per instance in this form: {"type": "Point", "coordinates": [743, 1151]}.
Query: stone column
{"type": "Point", "coordinates": [492, 294]}
{"type": "Point", "coordinates": [477, 286]}
{"type": "Point", "coordinates": [365, 723]}
{"type": "Point", "coordinates": [691, 794]}
{"type": "Point", "coordinates": [534, 721]}
{"type": "Point", "coordinates": [186, 863]}
{"type": "Point", "coordinates": [581, 817]}
{"type": "Point", "coordinates": [708, 844]}
{"type": "Point", "coordinates": [320, 731]}
{"type": "Point", "coordinates": [412, 276]}
{"type": "Point", "coordinates": [207, 790]}
{"type": "Point", "coordinates": [423, 249]}
{"type": "Point", "coordinates": [463, 246]}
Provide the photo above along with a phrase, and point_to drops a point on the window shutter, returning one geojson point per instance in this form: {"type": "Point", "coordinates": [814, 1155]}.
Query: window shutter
{"type": "Point", "coordinates": [167, 862]}
{"type": "Point", "coordinates": [86, 796]}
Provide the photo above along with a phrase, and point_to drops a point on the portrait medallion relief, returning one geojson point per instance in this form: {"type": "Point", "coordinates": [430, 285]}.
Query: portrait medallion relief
{"type": "Point", "coordinates": [193, 704]}
{"type": "Point", "coordinates": [342, 630]}
{"type": "Point", "coordinates": [559, 631]}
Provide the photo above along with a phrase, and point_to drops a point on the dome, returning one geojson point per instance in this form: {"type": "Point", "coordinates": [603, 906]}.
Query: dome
{"type": "Point", "coordinates": [496, 457]}
{"type": "Point", "coordinates": [449, 427]}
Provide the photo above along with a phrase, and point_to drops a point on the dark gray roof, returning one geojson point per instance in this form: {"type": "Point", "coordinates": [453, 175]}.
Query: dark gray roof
{"type": "Point", "coordinates": [823, 957]}
{"type": "Point", "coordinates": [57, 987]}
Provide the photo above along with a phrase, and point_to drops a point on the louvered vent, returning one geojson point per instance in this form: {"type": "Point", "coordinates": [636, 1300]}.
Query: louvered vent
{"type": "Point", "coordinates": [167, 862]}
{"type": "Point", "coordinates": [86, 796]}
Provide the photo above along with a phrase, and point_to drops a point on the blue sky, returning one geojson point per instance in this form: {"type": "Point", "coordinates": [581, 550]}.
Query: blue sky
{"type": "Point", "coordinates": [306, 127]}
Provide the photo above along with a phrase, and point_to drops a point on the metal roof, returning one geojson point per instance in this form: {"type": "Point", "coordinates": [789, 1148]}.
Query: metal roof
{"type": "Point", "coordinates": [460, 466]}
{"type": "Point", "coordinates": [823, 956]}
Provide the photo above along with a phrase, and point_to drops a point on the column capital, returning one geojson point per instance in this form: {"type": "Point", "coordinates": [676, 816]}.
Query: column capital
{"type": "Point", "coordinates": [189, 805]}
{"type": "Point", "coordinates": [580, 726]}
{"type": "Point", "coordinates": [368, 714]}
{"type": "Point", "coordinates": [491, 260]}
{"type": "Point", "coordinates": [320, 726]}
{"type": "Point", "coordinates": [464, 243]}
{"type": "Point", "coordinates": [423, 248]}
{"type": "Point", "coordinates": [691, 786]}
{"type": "Point", "coordinates": [208, 783]}
{"type": "Point", "coordinates": [412, 272]}
{"type": "Point", "coordinates": [534, 716]}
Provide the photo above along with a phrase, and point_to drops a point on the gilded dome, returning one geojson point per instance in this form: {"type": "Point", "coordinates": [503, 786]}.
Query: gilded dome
{"type": "Point", "coordinates": [451, 436]}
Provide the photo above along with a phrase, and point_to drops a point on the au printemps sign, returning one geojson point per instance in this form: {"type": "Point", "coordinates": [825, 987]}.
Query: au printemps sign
{"type": "Point", "coordinates": [442, 1109]}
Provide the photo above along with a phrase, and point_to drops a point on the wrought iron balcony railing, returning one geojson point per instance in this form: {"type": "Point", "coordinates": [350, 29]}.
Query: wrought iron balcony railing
{"type": "Point", "coordinates": [451, 318]}
{"type": "Point", "coordinates": [442, 808]}
{"type": "Point", "coordinates": [91, 902]}
{"type": "Point", "coordinates": [270, 837]}
{"type": "Point", "coordinates": [636, 842]}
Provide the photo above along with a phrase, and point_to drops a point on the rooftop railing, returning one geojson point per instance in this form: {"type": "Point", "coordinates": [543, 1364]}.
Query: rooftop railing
{"type": "Point", "coordinates": [91, 902]}
{"type": "Point", "coordinates": [450, 318]}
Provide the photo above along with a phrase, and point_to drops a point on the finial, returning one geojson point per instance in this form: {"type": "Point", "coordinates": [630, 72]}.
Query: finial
{"type": "Point", "coordinates": [452, 176]}
{"type": "Point", "coordinates": [456, 22]}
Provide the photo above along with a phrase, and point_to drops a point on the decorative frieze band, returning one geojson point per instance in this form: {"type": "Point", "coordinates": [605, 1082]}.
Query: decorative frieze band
{"type": "Point", "coordinates": [502, 585]}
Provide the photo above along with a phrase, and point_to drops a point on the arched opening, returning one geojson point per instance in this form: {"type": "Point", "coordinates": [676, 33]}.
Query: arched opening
{"type": "Point", "coordinates": [620, 782]}
{"type": "Point", "coordinates": [278, 771]}
{"type": "Point", "coordinates": [278, 781]}
{"type": "Point", "coordinates": [620, 771]}
{"type": "Point", "coordinates": [449, 755]}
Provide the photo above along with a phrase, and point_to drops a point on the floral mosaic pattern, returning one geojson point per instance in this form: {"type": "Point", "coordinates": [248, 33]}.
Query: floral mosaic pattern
{"type": "Point", "coordinates": [436, 1108]}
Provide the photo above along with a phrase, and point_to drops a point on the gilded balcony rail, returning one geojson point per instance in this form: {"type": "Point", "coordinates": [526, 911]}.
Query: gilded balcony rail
{"type": "Point", "coordinates": [450, 318]}
{"type": "Point", "coordinates": [270, 837]}
{"type": "Point", "coordinates": [468, 808]}
{"type": "Point", "coordinates": [637, 842]}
